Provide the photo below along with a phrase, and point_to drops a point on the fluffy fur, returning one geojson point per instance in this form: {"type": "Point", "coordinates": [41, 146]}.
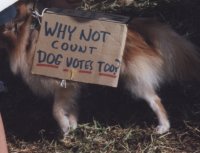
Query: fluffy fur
{"type": "Point", "coordinates": [154, 54]}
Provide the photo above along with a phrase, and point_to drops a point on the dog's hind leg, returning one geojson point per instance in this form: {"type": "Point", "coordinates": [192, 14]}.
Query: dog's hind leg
{"type": "Point", "coordinates": [142, 75]}
{"type": "Point", "coordinates": [65, 108]}
{"type": "Point", "coordinates": [143, 71]}
{"type": "Point", "coordinates": [156, 105]}
{"type": "Point", "coordinates": [149, 95]}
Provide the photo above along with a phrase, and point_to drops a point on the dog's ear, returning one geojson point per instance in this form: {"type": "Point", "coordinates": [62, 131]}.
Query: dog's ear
{"type": "Point", "coordinates": [9, 30]}
{"type": "Point", "coordinates": [24, 9]}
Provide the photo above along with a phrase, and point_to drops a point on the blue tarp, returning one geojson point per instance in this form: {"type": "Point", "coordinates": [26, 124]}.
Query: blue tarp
{"type": "Point", "coordinates": [7, 14]}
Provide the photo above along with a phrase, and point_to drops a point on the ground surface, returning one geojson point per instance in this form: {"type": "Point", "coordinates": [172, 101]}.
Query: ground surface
{"type": "Point", "coordinates": [111, 120]}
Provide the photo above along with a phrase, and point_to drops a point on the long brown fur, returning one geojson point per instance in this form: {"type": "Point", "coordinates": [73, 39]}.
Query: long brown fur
{"type": "Point", "coordinates": [154, 54]}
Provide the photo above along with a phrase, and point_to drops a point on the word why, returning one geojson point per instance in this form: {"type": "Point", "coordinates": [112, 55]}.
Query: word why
{"type": "Point", "coordinates": [66, 32]}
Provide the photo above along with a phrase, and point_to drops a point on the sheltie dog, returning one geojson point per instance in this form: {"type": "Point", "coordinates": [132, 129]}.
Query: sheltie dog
{"type": "Point", "coordinates": [154, 54]}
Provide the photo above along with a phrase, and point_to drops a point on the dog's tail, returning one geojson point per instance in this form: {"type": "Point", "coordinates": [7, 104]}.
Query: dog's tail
{"type": "Point", "coordinates": [181, 57]}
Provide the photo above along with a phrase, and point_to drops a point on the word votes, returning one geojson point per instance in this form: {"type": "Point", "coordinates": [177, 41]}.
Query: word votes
{"type": "Point", "coordinates": [66, 32]}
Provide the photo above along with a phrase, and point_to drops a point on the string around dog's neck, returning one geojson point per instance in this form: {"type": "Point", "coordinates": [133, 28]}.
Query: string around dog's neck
{"type": "Point", "coordinates": [36, 23]}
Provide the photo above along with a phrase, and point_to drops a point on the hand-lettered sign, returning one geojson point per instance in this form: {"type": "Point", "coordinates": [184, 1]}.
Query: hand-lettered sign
{"type": "Point", "coordinates": [80, 46]}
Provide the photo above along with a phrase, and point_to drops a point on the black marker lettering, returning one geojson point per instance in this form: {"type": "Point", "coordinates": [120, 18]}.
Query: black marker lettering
{"type": "Point", "coordinates": [92, 49]}
{"type": "Point", "coordinates": [104, 35]}
{"type": "Point", "coordinates": [53, 44]}
{"type": "Point", "coordinates": [50, 31]}
{"type": "Point", "coordinates": [100, 65]}
{"type": "Point", "coordinates": [71, 31]}
{"type": "Point", "coordinates": [61, 31]}
{"type": "Point", "coordinates": [96, 36]}
{"type": "Point", "coordinates": [64, 46]}
{"type": "Point", "coordinates": [82, 35]}
{"type": "Point", "coordinates": [41, 56]}
{"type": "Point", "coordinates": [73, 47]}
{"type": "Point", "coordinates": [82, 50]}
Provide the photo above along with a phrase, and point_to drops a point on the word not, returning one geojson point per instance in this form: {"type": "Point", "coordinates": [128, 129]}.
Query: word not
{"type": "Point", "coordinates": [94, 35]}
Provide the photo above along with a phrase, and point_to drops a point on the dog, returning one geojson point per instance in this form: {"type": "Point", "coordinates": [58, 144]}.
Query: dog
{"type": "Point", "coordinates": [154, 54]}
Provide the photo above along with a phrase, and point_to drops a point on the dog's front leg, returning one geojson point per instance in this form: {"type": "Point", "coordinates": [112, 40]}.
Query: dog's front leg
{"type": "Point", "coordinates": [65, 108]}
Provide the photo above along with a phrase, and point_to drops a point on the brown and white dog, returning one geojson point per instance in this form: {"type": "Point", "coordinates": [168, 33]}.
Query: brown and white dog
{"type": "Point", "coordinates": [154, 54]}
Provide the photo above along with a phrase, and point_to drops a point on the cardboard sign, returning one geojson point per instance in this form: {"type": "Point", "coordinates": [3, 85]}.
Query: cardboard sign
{"type": "Point", "coordinates": [78, 48]}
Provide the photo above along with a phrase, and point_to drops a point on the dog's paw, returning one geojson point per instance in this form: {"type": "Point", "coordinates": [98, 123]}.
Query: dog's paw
{"type": "Point", "coordinates": [161, 129]}
{"type": "Point", "coordinates": [73, 122]}
{"type": "Point", "coordinates": [69, 123]}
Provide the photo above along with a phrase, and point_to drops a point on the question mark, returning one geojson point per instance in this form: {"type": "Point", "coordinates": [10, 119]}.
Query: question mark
{"type": "Point", "coordinates": [118, 65]}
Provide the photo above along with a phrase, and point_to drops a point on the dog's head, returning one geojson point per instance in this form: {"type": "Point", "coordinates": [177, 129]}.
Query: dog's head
{"type": "Point", "coordinates": [10, 29]}
{"type": "Point", "coordinates": [24, 8]}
